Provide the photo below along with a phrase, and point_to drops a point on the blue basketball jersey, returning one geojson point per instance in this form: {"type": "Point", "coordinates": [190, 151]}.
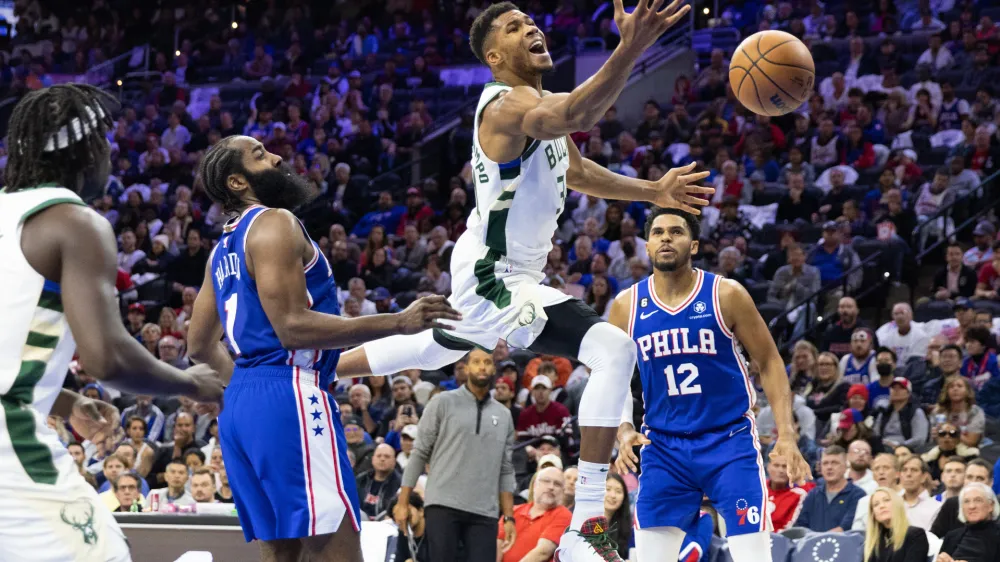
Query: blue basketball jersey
{"type": "Point", "coordinates": [694, 375]}
{"type": "Point", "coordinates": [247, 328]}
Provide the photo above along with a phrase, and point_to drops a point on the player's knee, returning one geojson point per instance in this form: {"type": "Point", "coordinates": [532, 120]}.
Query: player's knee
{"type": "Point", "coordinates": [607, 346]}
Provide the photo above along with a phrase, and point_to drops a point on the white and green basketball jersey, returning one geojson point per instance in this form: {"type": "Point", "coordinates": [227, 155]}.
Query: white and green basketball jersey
{"type": "Point", "coordinates": [35, 343]}
{"type": "Point", "coordinates": [518, 202]}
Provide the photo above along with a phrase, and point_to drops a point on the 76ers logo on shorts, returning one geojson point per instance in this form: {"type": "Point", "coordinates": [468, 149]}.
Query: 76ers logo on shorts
{"type": "Point", "coordinates": [747, 513]}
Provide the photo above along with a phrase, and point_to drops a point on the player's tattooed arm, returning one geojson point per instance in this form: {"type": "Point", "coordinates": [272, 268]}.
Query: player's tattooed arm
{"type": "Point", "coordinates": [205, 331]}
{"type": "Point", "coordinates": [743, 320]}
{"type": "Point", "coordinates": [678, 188]}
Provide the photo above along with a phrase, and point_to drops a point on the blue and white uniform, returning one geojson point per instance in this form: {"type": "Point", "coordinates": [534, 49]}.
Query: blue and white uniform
{"type": "Point", "coordinates": [698, 414]}
{"type": "Point", "coordinates": [280, 431]}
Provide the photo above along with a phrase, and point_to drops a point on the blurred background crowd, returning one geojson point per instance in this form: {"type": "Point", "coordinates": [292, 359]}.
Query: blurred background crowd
{"type": "Point", "coordinates": [864, 225]}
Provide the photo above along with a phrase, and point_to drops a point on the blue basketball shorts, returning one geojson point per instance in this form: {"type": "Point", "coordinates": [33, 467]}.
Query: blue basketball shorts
{"type": "Point", "coordinates": [725, 465]}
{"type": "Point", "coordinates": [285, 455]}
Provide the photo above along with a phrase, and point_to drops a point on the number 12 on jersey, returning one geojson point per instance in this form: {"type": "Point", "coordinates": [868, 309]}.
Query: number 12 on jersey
{"type": "Point", "coordinates": [687, 385]}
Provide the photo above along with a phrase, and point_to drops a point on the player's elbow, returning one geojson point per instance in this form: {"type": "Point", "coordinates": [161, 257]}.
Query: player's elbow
{"type": "Point", "coordinates": [200, 350]}
{"type": "Point", "coordinates": [291, 329]}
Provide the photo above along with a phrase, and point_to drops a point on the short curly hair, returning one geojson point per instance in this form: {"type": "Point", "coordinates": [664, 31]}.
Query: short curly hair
{"type": "Point", "coordinates": [483, 25]}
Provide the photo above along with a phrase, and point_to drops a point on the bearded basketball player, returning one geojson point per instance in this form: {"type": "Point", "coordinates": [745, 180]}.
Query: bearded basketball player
{"type": "Point", "coordinates": [523, 164]}
{"type": "Point", "coordinates": [699, 435]}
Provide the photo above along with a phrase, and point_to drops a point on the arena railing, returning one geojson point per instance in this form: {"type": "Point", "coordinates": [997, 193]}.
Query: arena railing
{"type": "Point", "coordinates": [984, 197]}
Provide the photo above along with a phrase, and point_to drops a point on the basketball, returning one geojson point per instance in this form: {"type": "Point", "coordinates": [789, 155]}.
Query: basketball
{"type": "Point", "coordinates": [772, 73]}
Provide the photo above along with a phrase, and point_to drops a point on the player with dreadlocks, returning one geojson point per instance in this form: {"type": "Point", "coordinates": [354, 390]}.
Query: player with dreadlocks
{"type": "Point", "coordinates": [57, 270]}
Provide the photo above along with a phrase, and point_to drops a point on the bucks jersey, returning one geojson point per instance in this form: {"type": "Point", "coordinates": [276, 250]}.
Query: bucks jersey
{"type": "Point", "coordinates": [517, 202]}
{"type": "Point", "coordinates": [35, 343]}
{"type": "Point", "coordinates": [694, 375]}
{"type": "Point", "coordinates": [247, 328]}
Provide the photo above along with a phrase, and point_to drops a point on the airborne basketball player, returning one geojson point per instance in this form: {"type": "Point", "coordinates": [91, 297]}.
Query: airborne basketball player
{"type": "Point", "coordinates": [523, 166]}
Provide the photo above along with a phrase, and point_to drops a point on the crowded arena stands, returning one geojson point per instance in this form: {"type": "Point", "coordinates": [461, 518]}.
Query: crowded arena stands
{"type": "Point", "coordinates": [864, 225]}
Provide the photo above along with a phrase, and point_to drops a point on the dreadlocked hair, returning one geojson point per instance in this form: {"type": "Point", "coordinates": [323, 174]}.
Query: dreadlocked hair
{"type": "Point", "coordinates": [33, 138]}
{"type": "Point", "coordinates": [216, 166]}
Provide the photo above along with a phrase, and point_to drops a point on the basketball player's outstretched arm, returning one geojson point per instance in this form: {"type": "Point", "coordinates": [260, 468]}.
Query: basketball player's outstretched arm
{"type": "Point", "coordinates": [743, 319]}
{"type": "Point", "coordinates": [678, 188]}
{"type": "Point", "coordinates": [205, 331]}
{"type": "Point", "coordinates": [276, 247]}
{"type": "Point", "coordinates": [523, 111]}
{"type": "Point", "coordinates": [76, 246]}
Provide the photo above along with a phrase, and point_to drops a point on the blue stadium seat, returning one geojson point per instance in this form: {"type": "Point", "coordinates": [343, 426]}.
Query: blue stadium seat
{"type": "Point", "coordinates": [781, 548]}
{"type": "Point", "coordinates": [829, 547]}
{"type": "Point", "coordinates": [934, 310]}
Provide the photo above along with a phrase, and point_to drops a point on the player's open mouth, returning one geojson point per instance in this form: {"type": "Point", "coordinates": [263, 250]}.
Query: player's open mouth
{"type": "Point", "coordinates": [666, 251]}
{"type": "Point", "coordinates": [537, 48]}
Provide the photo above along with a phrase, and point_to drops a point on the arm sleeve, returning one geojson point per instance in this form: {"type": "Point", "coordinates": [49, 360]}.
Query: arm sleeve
{"type": "Point", "coordinates": [507, 481]}
{"type": "Point", "coordinates": [803, 519]}
{"type": "Point", "coordinates": [860, 512]}
{"type": "Point", "coordinates": [427, 434]}
{"type": "Point", "coordinates": [852, 506]}
{"type": "Point", "coordinates": [918, 436]}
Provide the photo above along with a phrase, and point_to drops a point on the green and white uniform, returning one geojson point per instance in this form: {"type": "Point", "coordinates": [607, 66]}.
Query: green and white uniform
{"type": "Point", "coordinates": [497, 263]}
{"type": "Point", "coordinates": [47, 510]}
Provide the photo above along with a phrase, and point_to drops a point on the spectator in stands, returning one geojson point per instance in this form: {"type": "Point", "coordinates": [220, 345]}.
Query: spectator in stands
{"type": "Point", "coordinates": [859, 460]}
{"type": "Point", "coordinates": [956, 404]}
{"type": "Point", "coordinates": [176, 478]}
{"type": "Point", "coordinates": [952, 479]}
{"type": "Point", "coordinates": [976, 471]}
{"type": "Point", "coordinates": [827, 393]}
{"type": "Point", "coordinates": [834, 259]}
{"type": "Point", "coordinates": [979, 538]}
{"type": "Point", "coordinates": [980, 364]}
{"type": "Point", "coordinates": [988, 279]}
{"type": "Point", "coordinates": [952, 110]}
{"type": "Point", "coordinates": [797, 204]}
{"type": "Point", "coordinates": [901, 422]}
{"type": "Point", "coordinates": [378, 486]}
{"type": "Point", "coordinates": [831, 504]}
{"type": "Point", "coordinates": [183, 439]}
{"type": "Point", "coordinates": [878, 390]}
{"type": "Point", "coordinates": [545, 416]}
{"type": "Point", "coordinates": [854, 150]}
{"type": "Point", "coordinates": [149, 413]}
{"type": "Point", "coordinates": [786, 497]}
{"type": "Point", "coordinates": [711, 81]}
{"type": "Point", "coordinates": [358, 442]}
{"type": "Point", "coordinates": [891, 535]}
{"type": "Point", "coordinates": [203, 485]}
{"type": "Point", "coordinates": [795, 282]}
{"type": "Point", "coordinates": [539, 523]}
{"type": "Point", "coordinates": [982, 158]}
{"type": "Point", "coordinates": [858, 367]}
{"type": "Point", "coordinates": [459, 505]}
{"type": "Point", "coordinates": [956, 279]}
{"type": "Point", "coordinates": [947, 446]}
{"type": "Point", "coordinates": [618, 513]}
{"type": "Point", "coordinates": [936, 57]}
{"type": "Point", "coordinates": [885, 470]}
{"type": "Point", "coordinates": [126, 493]}
{"type": "Point", "coordinates": [921, 508]}
{"type": "Point", "coordinates": [905, 339]}
{"type": "Point", "coordinates": [415, 530]}
{"type": "Point", "coordinates": [982, 252]}
{"type": "Point", "coordinates": [837, 337]}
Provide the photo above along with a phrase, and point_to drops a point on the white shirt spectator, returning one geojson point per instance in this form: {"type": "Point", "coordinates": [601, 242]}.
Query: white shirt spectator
{"type": "Point", "coordinates": [615, 250]}
{"type": "Point", "coordinates": [176, 137]}
{"type": "Point", "coordinates": [940, 60]}
{"type": "Point", "coordinates": [833, 103]}
{"type": "Point", "coordinates": [585, 210]}
{"type": "Point", "coordinates": [913, 344]}
{"type": "Point", "coordinates": [145, 156]}
{"type": "Point", "coordinates": [923, 512]}
{"type": "Point", "coordinates": [127, 260]}
{"type": "Point", "coordinates": [866, 483]}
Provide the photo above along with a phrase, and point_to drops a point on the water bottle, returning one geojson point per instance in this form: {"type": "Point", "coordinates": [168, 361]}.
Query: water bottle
{"type": "Point", "coordinates": [135, 507]}
{"type": "Point", "coordinates": [154, 502]}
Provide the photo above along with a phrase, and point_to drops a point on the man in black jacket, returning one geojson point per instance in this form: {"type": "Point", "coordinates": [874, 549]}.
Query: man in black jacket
{"type": "Point", "coordinates": [837, 337]}
{"type": "Point", "coordinates": [977, 470]}
{"type": "Point", "coordinates": [378, 486]}
{"type": "Point", "coordinates": [955, 279]}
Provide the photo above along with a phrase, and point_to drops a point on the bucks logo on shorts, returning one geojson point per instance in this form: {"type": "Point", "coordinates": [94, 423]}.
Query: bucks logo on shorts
{"type": "Point", "coordinates": [527, 314]}
{"type": "Point", "coordinates": [80, 516]}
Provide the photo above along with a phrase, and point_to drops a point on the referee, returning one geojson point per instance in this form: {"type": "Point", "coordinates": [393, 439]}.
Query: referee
{"type": "Point", "coordinates": [467, 437]}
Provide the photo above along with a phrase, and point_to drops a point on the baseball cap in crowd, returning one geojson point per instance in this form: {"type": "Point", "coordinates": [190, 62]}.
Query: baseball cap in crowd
{"type": "Point", "coordinates": [550, 460]}
{"type": "Point", "coordinates": [910, 153]}
{"type": "Point", "coordinates": [506, 364]}
{"type": "Point", "coordinates": [163, 239]}
{"type": "Point", "coordinates": [850, 417]}
{"type": "Point", "coordinates": [831, 225]}
{"type": "Point", "coordinates": [280, 126]}
{"type": "Point", "coordinates": [381, 294]}
{"type": "Point", "coordinates": [504, 379]}
{"type": "Point", "coordinates": [549, 439]}
{"type": "Point", "coordinates": [409, 431]}
{"type": "Point", "coordinates": [984, 228]}
{"type": "Point", "coordinates": [403, 379]}
{"type": "Point", "coordinates": [354, 74]}
{"type": "Point", "coordinates": [758, 175]}
{"type": "Point", "coordinates": [857, 390]}
{"type": "Point", "coordinates": [137, 307]}
{"type": "Point", "coordinates": [354, 420]}
{"type": "Point", "coordinates": [422, 392]}
{"type": "Point", "coordinates": [962, 303]}
{"type": "Point", "coordinates": [414, 191]}
{"type": "Point", "coordinates": [861, 334]}
{"type": "Point", "coordinates": [901, 381]}
{"type": "Point", "coordinates": [541, 380]}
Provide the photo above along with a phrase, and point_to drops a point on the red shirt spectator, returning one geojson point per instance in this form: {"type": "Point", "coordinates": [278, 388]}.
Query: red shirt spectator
{"type": "Point", "coordinates": [417, 211]}
{"type": "Point", "coordinates": [541, 523]}
{"type": "Point", "coordinates": [988, 280]}
{"type": "Point", "coordinates": [545, 416]}
{"type": "Point", "coordinates": [785, 498]}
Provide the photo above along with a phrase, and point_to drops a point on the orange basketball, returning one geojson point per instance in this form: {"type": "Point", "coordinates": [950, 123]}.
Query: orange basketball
{"type": "Point", "coordinates": [772, 73]}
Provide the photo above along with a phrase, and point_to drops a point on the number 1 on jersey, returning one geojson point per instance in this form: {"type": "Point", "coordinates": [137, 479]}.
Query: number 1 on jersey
{"type": "Point", "coordinates": [687, 385]}
{"type": "Point", "coordinates": [230, 308]}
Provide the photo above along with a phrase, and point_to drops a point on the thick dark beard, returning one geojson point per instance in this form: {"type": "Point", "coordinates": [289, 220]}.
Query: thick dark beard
{"type": "Point", "coordinates": [486, 383]}
{"type": "Point", "coordinates": [859, 467]}
{"type": "Point", "coordinates": [281, 188]}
